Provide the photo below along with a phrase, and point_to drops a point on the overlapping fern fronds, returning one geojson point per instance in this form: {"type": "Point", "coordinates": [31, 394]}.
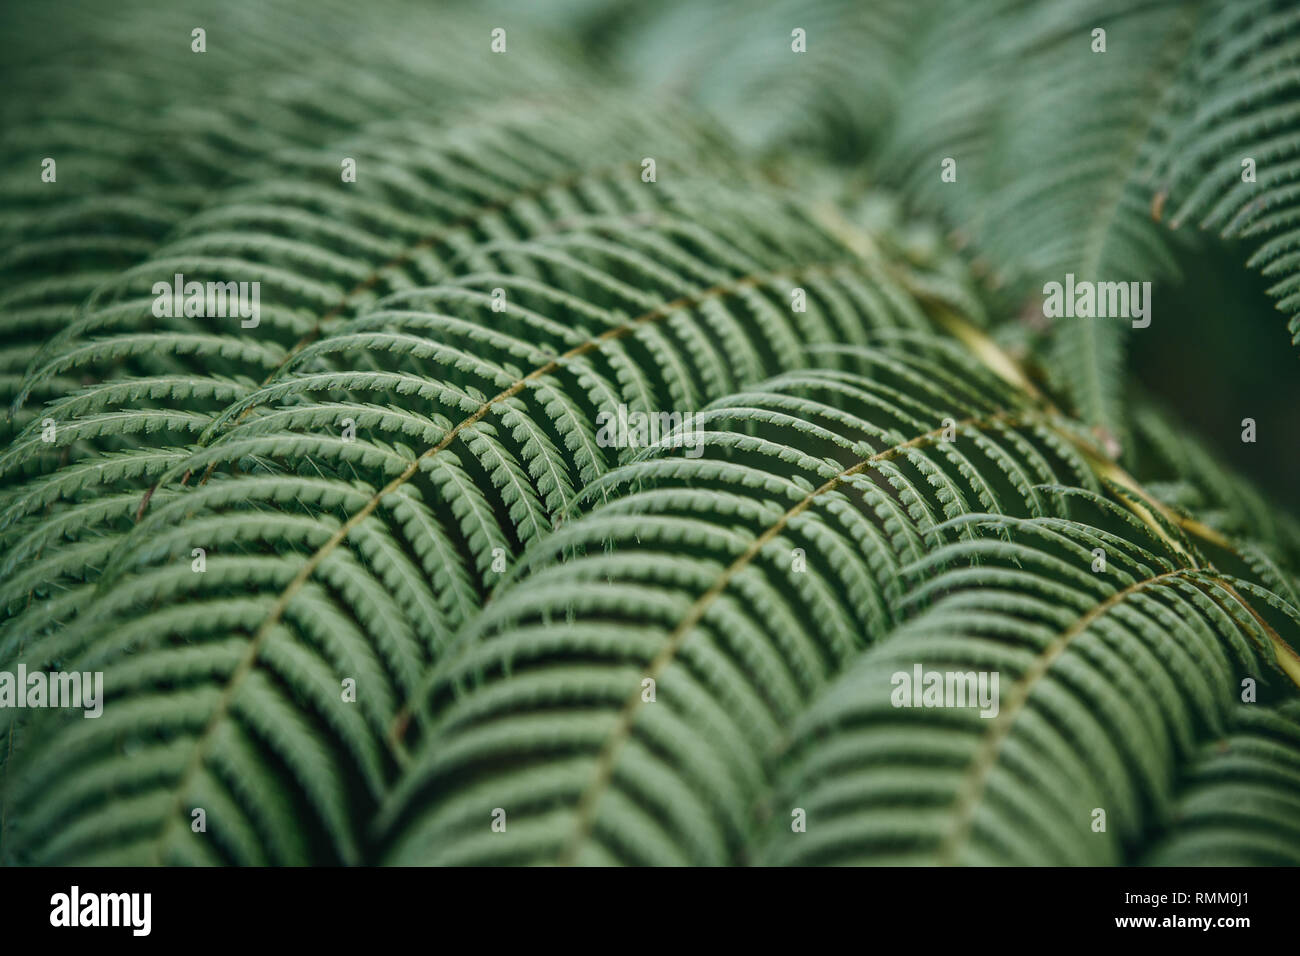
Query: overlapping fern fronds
{"type": "Point", "coordinates": [742, 583]}
{"type": "Point", "coordinates": [143, 129]}
{"type": "Point", "coordinates": [1069, 159]}
{"type": "Point", "coordinates": [1116, 678]}
{"type": "Point", "coordinates": [474, 428]}
{"type": "Point", "coordinates": [395, 480]}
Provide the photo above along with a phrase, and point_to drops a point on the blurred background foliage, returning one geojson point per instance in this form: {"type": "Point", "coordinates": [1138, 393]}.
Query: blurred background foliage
{"type": "Point", "coordinates": [1056, 146]}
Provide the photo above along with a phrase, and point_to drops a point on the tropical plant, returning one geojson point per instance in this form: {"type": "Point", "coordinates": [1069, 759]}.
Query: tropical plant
{"type": "Point", "coordinates": [368, 582]}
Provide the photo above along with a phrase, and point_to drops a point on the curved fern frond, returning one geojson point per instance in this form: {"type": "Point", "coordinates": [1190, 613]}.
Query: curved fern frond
{"type": "Point", "coordinates": [738, 585]}
{"type": "Point", "coordinates": [1081, 132]}
{"type": "Point", "coordinates": [604, 465]}
{"type": "Point", "coordinates": [474, 429]}
{"type": "Point", "coordinates": [1237, 802]}
{"type": "Point", "coordinates": [1234, 157]}
{"type": "Point", "coordinates": [126, 157]}
{"type": "Point", "coordinates": [1109, 682]}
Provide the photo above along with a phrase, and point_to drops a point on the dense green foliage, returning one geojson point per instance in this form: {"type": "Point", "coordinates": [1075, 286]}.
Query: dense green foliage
{"type": "Point", "coordinates": [396, 478]}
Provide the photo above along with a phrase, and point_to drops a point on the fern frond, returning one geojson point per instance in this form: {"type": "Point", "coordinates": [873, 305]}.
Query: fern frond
{"type": "Point", "coordinates": [366, 570]}
{"type": "Point", "coordinates": [1115, 679]}
{"type": "Point", "coordinates": [1237, 802]}
{"type": "Point", "coordinates": [1235, 151]}
{"type": "Point", "coordinates": [474, 432]}
{"type": "Point", "coordinates": [691, 575]}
